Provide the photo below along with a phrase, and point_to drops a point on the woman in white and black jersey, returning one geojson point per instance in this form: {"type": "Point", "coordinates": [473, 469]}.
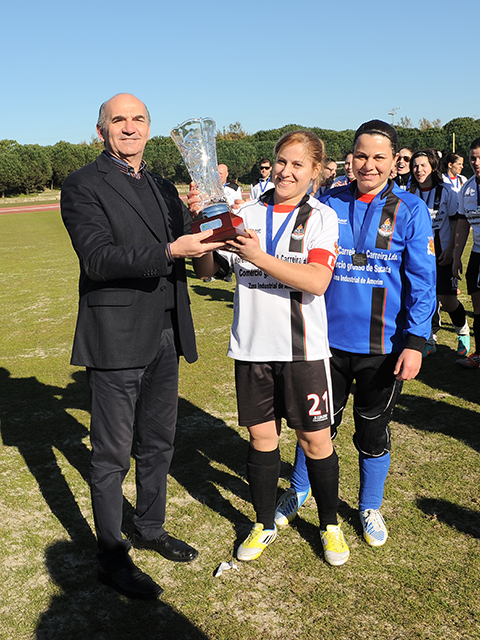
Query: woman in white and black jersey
{"type": "Point", "coordinates": [442, 202]}
{"type": "Point", "coordinates": [279, 338]}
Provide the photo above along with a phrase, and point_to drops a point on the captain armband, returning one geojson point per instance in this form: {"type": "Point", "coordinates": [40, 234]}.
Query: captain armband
{"type": "Point", "coordinates": [322, 256]}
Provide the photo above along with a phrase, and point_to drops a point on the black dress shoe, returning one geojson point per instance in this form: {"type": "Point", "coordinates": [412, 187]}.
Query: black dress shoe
{"type": "Point", "coordinates": [131, 582]}
{"type": "Point", "coordinates": [167, 546]}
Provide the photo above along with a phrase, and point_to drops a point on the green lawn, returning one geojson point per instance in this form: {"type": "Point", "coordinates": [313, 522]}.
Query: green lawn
{"type": "Point", "coordinates": [424, 583]}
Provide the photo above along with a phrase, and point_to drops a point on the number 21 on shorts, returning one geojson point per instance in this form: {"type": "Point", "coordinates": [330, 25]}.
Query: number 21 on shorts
{"type": "Point", "coordinates": [319, 406]}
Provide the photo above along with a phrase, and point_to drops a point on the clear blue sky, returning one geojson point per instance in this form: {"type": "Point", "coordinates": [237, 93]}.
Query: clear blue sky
{"type": "Point", "coordinates": [265, 64]}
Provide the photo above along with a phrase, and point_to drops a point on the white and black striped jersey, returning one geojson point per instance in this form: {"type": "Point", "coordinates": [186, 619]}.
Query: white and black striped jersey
{"type": "Point", "coordinates": [272, 321]}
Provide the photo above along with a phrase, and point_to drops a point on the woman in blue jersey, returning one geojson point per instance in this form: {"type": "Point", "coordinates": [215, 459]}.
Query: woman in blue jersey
{"type": "Point", "coordinates": [279, 338]}
{"type": "Point", "coordinates": [442, 202]}
{"type": "Point", "coordinates": [379, 308]}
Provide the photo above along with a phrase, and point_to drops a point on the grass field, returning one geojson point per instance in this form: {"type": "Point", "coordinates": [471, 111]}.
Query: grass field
{"type": "Point", "coordinates": [423, 584]}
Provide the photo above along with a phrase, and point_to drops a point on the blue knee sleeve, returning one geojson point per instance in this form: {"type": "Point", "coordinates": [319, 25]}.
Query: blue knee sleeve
{"type": "Point", "coordinates": [373, 473]}
{"type": "Point", "coordinates": [299, 479]}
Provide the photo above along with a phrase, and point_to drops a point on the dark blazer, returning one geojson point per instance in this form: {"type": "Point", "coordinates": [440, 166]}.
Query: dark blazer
{"type": "Point", "coordinates": [123, 267]}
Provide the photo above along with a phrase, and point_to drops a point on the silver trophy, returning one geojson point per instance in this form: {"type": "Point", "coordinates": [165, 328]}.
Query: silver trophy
{"type": "Point", "coordinates": [195, 140]}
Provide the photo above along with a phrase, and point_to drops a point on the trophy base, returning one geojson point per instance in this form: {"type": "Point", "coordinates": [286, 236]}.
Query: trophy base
{"type": "Point", "coordinates": [226, 225]}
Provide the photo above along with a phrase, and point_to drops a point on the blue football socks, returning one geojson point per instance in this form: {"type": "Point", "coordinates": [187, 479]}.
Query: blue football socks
{"type": "Point", "coordinates": [373, 473]}
{"type": "Point", "coordinates": [300, 480]}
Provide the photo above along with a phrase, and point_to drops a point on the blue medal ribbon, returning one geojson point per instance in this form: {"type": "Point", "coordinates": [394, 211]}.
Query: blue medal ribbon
{"type": "Point", "coordinates": [360, 228]}
{"type": "Point", "coordinates": [266, 182]}
{"type": "Point", "coordinates": [272, 241]}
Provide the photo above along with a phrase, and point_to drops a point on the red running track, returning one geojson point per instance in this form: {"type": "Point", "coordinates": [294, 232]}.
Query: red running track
{"type": "Point", "coordinates": [56, 206]}
{"type": "Point", "coordinates": [32, 207]}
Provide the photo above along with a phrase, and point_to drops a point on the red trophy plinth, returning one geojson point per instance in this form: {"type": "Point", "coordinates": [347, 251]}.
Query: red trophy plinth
{"type": "Point", "coordinates": [225, 223]}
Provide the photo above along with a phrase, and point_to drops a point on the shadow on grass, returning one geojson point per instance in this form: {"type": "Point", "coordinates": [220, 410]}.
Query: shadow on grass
{"type": "Point", "coordinates": [87, 609]}
{"type": "Point", "coordinates": [441, 372]}
{"type": "Point", "coordinates": [214, 293]}
{"type": "Point", "coordinates": [464, 520]}
{"type": "Point", "coordinates": [209, 455]}
{"type": "Point", "coordinates": [210, 460]}
{"type": "Point", "coordinates": [429, 414]}
{"type": "Point", "coordinates": [34, 419]}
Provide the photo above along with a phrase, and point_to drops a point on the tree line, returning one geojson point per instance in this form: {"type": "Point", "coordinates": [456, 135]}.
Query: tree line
{"type": "Point", "coordinates": [31, 167]}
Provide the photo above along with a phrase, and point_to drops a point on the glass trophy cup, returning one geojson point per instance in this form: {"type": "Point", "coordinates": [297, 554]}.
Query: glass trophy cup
{"type": "Point", "coordinates": [195, 140]}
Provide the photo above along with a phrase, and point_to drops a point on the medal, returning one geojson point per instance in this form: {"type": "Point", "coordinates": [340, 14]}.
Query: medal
{"type": "Point", "coordinates": [361, 227]}
{"type": "Point", "coordinates": [359, 259]}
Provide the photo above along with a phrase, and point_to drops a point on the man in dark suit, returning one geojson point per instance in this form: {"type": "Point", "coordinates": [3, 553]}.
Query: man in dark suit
{"type": "Point", "coordinates": [131, 233]}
